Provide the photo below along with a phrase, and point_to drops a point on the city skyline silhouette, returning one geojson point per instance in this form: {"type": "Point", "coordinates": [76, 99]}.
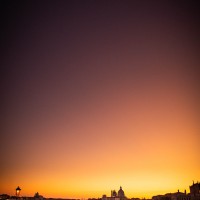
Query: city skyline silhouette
{"type": "Point", "coordinates": [194, 194]}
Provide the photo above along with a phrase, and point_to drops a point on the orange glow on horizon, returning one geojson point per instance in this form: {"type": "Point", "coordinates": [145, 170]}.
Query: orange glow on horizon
{"type": "Point", "coordinates": [148, 151]}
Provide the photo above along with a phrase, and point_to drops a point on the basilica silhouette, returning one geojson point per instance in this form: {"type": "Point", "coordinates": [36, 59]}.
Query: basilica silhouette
{"type": "Point", "coordinates": [115, 195]}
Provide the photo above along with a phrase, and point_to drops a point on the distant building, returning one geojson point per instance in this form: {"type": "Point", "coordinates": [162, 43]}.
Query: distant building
{"type": "Point", "coordinates": [37, 196]}
{"type": "Point", "coordinates": [113, 193]}
{"type": "Point", "coordinates": [115, 196]}
{"type": "Point", "coordinates": [193, 195]}
{"type": "Point", "coordinates": [173, 196]}
{"type": "Point", "coordinates": [195, 189]}
{"type": "Point", "coordinates": [121, 193]}
{"type": "Point", "coordinates": [4, 196]}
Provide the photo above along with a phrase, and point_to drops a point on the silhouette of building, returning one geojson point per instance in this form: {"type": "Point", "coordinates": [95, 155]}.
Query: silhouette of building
{"type": "Point", "coordinates": [121, 193]}
{"type": "Point", "coordinates": [37, 196]}
{"type": "Point", "coordinates": [4, 196]}
{"type": "Point", "coordinates": [172, 196]}
{"type": "Point", "coordinates": [193, 195]}
{"type": "Point", "coordinates": [195, 189]}
{"type": "Point", "coordinates": [113, 193]}
{"type": "Point", "coordinates": [115, 196]}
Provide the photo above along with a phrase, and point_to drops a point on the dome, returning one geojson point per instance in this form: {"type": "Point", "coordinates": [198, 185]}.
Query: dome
{"type": "Point", "coordinates": [120, 192]}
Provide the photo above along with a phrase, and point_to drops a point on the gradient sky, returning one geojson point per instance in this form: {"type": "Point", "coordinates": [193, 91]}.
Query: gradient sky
{"type": "Point", "coordinates": [98, 94]}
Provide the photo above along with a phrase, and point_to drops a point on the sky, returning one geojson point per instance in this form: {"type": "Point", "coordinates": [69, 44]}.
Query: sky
{"type": "Point", "coordinates": [98, 95]}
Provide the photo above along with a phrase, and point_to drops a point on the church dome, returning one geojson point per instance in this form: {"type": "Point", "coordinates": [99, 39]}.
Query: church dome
{"type": "Point", "coordinates": [120, 192]}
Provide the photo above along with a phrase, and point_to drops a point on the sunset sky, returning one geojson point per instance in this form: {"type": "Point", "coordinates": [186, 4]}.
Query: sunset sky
{"type": "Point", "coordinates": [97, 95]}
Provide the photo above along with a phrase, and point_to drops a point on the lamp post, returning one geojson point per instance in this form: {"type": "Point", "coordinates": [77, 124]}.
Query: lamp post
{"type": "Point", "coordinates": [18, 189]}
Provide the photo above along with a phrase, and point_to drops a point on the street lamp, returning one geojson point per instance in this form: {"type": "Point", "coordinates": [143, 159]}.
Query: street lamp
{"type": "Point", "coordinates": [18, 189]}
